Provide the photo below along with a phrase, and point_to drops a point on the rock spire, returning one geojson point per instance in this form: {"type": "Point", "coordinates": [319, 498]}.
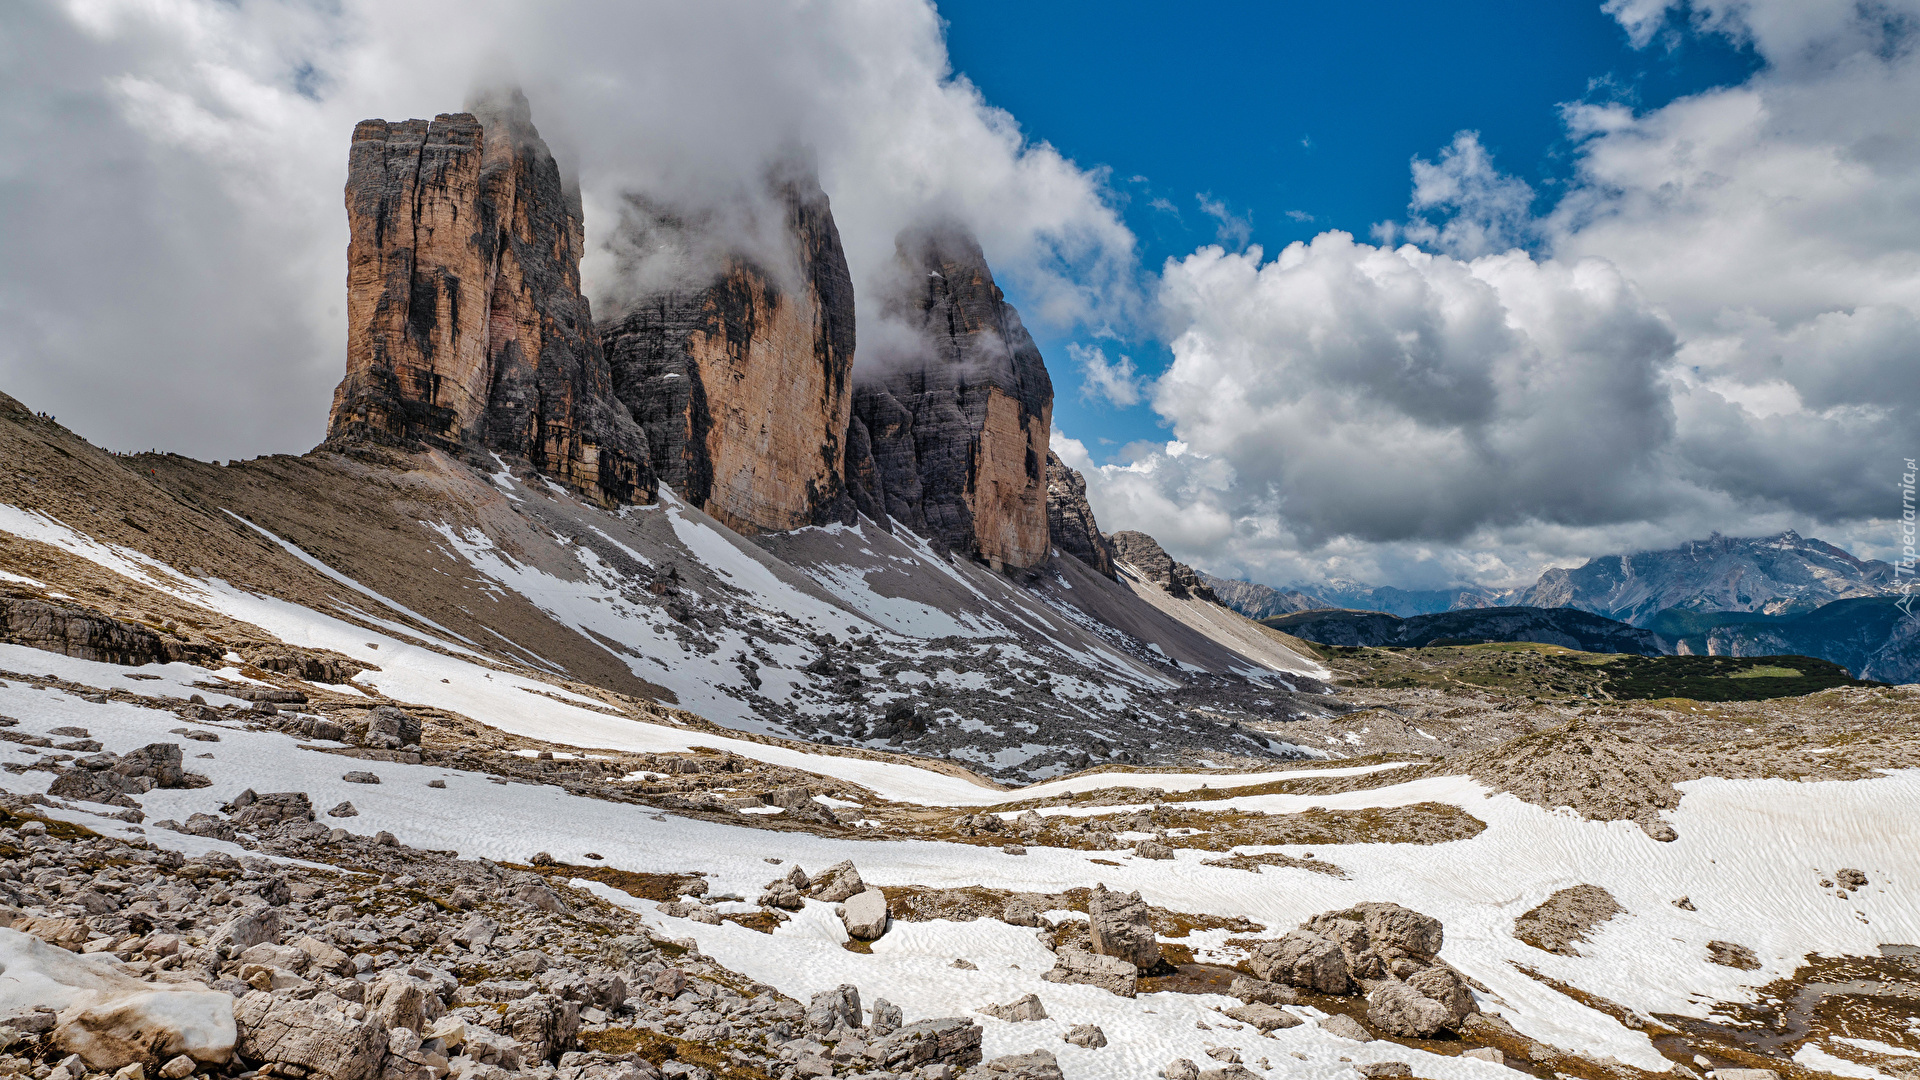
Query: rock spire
{"type": "Point", "coordinates": [950, 424]}
{"type": "Point", "coordinates": [741, 378]}
{"type": "Point", "coordinates": [467, 329]}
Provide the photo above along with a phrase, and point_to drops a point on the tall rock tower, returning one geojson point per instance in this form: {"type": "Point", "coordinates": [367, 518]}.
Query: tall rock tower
{"type": "Point", "coordinates": [949, 434]}
{"type": "Point", "coordinates": [466, 327]}
{"type": "Point", "coordinates": [741, 376]}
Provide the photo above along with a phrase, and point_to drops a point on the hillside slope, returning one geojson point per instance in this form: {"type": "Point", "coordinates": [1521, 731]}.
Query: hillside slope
{"type": "Point", "coordinates": [842, 634]}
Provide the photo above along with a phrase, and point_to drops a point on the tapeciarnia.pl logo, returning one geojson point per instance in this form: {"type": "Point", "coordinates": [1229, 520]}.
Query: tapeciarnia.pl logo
{"type": "Point", "coordinates": [1903, 567]}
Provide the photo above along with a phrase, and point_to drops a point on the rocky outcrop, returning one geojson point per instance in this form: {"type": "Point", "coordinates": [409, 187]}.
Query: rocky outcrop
{"type": "Point", "coordinates": [88, 635]}
{"type": "Point", "coordinates": [1387, 952]}
{"type": "Point", "coordinates": [951, 415]}
{"type": "Point", "coordinates": [466, 327]}
{"type": "Point", "coordinates": [1070, 522]}
{"type": "Point", "coordinates": [742, 378]}
{"type": "Point", "coordinates": [1144, 554]}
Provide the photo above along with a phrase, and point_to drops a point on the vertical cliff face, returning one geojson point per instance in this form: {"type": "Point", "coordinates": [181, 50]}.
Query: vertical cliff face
{"type": "Point", "coordinates": [742, 381]}
{"type": "Point", "coordinates": [467, 329]}
{"type": "Point", "coordinates": [955, 424]}
{"type": "Point", "coordinates": [1070, 523]}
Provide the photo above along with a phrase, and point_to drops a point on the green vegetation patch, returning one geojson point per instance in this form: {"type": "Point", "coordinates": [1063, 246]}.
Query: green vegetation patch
{"type": "Point", "coordinates": [1723, 678]}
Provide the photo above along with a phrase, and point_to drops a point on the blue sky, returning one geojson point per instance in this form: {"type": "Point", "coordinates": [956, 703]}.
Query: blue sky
{"type": "Point", "coordinates": [1295, 118]}
{"type": "Point", "coordinates": [1663, 278]}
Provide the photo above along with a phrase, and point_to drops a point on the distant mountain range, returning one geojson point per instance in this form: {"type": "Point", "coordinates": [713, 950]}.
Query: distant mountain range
{"type": "Point", "coordinates": [1722, 596]}
{"type": "Point", "coordinates": [1562, 626]}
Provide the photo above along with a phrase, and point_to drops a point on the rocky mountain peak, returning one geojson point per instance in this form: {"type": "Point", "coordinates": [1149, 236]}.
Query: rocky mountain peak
{"type": "Point", "coordinates": [1144, 554]}
{"type": "Point", "coordinates": [467, 330]}
{"type": "Point", "coordinates": [741, 375]}
{"type": "Point", "coordinates": [951, 416]}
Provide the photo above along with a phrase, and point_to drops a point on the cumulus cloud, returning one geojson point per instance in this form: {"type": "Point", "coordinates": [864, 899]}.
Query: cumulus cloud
{"type": "Point", "coordinates": [171, 208]}
{"type": "Point", "coordinates": [1480, 209]}
{"type": "Point", "coordinates": [1116, 382]}
{"type": "Point", "coordinates": [1713, 327]}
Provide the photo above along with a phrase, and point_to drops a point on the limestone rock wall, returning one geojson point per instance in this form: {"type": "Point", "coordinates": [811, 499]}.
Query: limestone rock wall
{"type": "Point", "coordinates": [1070, 522]}
{"type": "Point", "coordinates": [955, 420]}
{"type": "Point", "coordinates": [742, 383]}
{"type": "Point", "coordinates": [467, 329]}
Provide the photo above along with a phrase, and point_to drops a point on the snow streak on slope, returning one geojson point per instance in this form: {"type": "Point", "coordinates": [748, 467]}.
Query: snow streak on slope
{"type": "Point", "coordinates": [1749, 855]}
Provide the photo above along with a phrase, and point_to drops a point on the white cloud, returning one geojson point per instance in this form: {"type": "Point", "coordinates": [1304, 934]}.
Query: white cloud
{"type": "Point", "coordinates": [1716, 329]}
{"type": "Point", "coordinates": [1233, 230]}
{"type": "Point", "coordinates": [171, 205]}
{"type": "Point", "coordinates": [1114, 381]}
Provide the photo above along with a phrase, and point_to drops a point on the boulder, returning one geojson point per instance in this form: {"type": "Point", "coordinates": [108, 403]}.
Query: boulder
{"type": "Point", "coordinates": [396, 999]}
{"type": "Point", "coordinates": [837, 883]}
{"type": "Point", "coordinates": [315, 1039]}
{"type": "Point", "coordinates": [1385, 1070]}
{"type": "Point", "coordinates": [1087, 1036]}
{"type": "Point", "coordinates": [1485, 1053]}
{"type": "Point", "coordinates": [1033, 1065]}
{"type": "Point", "coordinates": [886, 1017]}
{"type": "Point", "coordinates": [1110, 973]}
{"type": "Point", "coordinates": [1121, 928]}
{"type": "Point", "coordinates": [1399, 1009]}
{"type": "Point", "coordinates": [1181, 1069]}
{"type": "Point", "coordinates": [108, 1018]}
{"type": "Point", "coordinates": [273, 808]}
{"type": "Point", "coordinates": [865, 915]}
{"type": "Point", "coordinates": [1018, 912]}
{"type": "Point", "coordinates": [1027, 1008]}
{"type": "Point", "coordinates": [1264, 1017]}
{"type": "Point", "coordinates": [389, 728]}
{"type": "Point", "coordinates": [247, 929]}
{"type": "Point", "coordinates": [1441, 983]}
{"type": "Point", "coordinates": [1346, 1027]}
{"type": "Point", "coordinates": [1235, 1071]}
{"type": "Point", "coordinates": [544, 1026]}
{"type": "Point", "coordinates": [836, 1008]}
{"type": "Point", "coordinates": [1302, 958]}
{"type": "Point", "coordinates": [951, 1040]}
{"type": "Point", "coordinates": [1151, 849]}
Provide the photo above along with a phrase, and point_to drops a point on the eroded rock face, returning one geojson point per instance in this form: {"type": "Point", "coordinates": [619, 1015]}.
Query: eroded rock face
{"type": "Point", "coordinates": [742, 380]}
{"type": "Point", "coordinates": [466, 327]}
{"type": "Point", "coordinates": [1144, 553]}
{"type": "Point", "coordinates": [1070, 522]}
{"type": "Point", "coordinates": [950, 423]}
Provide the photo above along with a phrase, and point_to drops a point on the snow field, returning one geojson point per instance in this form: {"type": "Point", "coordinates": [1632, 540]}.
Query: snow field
{"type": "Point", "coordinates": [1750, 854]}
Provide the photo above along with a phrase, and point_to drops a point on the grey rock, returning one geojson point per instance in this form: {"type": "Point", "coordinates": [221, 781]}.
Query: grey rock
{"type": "Point", "coordinates": [1302, 958]}
{"type": "Point", "coordinates": [544, 1025]}
{"type": "Point", "coordinates": [1346, 1027]}
{"type": "Point", "coordinates": [1120, 927]}
{"type": "Point", "coordinates": [1026, 1008]}
{"type": "Point", "coordinates": [836, 883]}
{"type": "Point", "coordinates": [1383, 1070]}
{"type": "Point", "coordinates": [1398, 1009]}
{"type": "Point", "coordinates": [360, 777]}
{"type": "Point", "coordinates": [313, 1040]}
{"type": "Point", "coordinates": [832, 1009]}
{"type": "Point", "coordinates": [952, 1040]}
{"type": "Point", "coordinates": [392, 728]}
{"type": "Point", "coordinates": [1088, 1036]}
{"type": "Point", "coordinates": [1110, 973]}
{"type": "Point", "coordinates": [886, 1017]}
{"type": "Point", "coordinates": [1730, 954]}
{"type": "Point", "coordinates": [865, 915]}
{"type": "Point", "coordinates": [1181, 1069]}
{"type": "Point", "coordinates": [1033, 1065]}
{"type": "Point", "coordinates": [1264, 1017]}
